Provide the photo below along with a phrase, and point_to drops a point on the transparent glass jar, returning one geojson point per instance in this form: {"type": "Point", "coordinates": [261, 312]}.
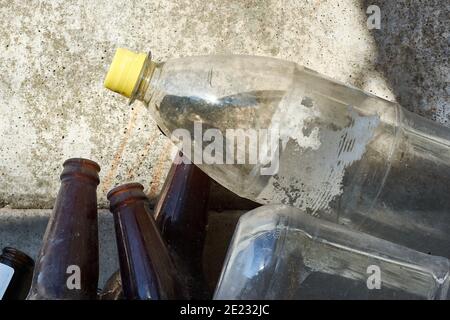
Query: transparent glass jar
{"type": "Point", "coordinates": [279, 252]}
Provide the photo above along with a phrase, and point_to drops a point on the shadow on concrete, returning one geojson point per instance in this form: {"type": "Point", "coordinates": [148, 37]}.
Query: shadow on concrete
{"type": "Point", "coordinates": [413, 46]}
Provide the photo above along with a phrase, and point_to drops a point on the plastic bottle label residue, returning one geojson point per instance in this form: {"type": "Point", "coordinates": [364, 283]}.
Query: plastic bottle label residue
{"type": "Point", "coordinates": [325, 154]}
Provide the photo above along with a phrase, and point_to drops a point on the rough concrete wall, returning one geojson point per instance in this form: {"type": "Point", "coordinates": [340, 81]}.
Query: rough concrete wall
{"type": "Point", "coordinates": [413, 50]}
{"type": "Point", "coordinates": [54, 55]}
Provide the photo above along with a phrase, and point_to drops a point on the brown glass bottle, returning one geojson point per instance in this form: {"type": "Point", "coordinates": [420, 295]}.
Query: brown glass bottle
{"type": "Point", "coordinates": [16, 271]}
{"type": "Point", "coordinates": [181, 215]}
{"type": "Point", "coordinates": [146, 268]}
{"type": "Point", "coordinates": [67, 267]}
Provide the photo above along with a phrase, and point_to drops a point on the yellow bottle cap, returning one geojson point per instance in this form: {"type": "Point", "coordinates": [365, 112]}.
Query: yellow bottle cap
{"type": "Point", "coordinates": [124, 71]}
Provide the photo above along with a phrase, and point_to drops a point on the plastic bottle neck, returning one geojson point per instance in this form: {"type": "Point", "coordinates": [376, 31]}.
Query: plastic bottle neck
{"type": "Point", "coordinates": [143, 82]}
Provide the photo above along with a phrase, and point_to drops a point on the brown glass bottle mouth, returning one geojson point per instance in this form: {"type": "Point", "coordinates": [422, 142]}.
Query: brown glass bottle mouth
{"type": "Point", "coordinates": [79, 167]}
{"type": "Point", "coordinates": [18, 257]}
{"type": "Point", "coordinates": [81, 162]}
{"type": "Point", "coordinates": [126, 193]}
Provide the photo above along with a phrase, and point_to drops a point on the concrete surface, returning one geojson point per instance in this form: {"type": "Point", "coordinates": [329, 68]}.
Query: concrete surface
{"type": "Point", "coordinates": [54, 55]}
{"type": "Point", "coordinates": [413, 50]}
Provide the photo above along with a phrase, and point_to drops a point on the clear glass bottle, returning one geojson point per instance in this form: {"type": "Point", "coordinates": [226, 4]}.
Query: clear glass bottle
{"type": "Point", "coordinates": [329, 149]}
{"type": "Point", "coordinates": [279, 252]}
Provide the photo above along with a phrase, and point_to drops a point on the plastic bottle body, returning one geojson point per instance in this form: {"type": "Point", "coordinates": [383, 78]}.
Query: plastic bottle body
{"type": "Point", "coordinates": [339, 153]}
{"type": "Point", "coordinates": [279, 252]}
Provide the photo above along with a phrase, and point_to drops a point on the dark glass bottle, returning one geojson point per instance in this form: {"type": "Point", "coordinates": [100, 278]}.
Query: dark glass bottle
{"type": "Point", "coordinates": [146, 268]}
{"type": "Point", "coordinates": [181, 215]}
{"type": "Point", "coordinates": [67, 267]}
{"type": "Point", "coordinates": [16, 271]}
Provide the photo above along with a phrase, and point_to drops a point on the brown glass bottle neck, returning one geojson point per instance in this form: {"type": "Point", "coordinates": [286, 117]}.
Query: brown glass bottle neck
{"type": "Point", "coordinates": [125, 195]}
{"type": "Point", "coordinates": [79, 169]}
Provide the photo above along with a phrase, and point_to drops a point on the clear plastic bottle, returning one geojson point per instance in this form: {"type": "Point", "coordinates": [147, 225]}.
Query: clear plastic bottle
{"type": "Point", "coordinates": [343, 155]}
{"type": "Point", "coordinates": [279, 252]}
